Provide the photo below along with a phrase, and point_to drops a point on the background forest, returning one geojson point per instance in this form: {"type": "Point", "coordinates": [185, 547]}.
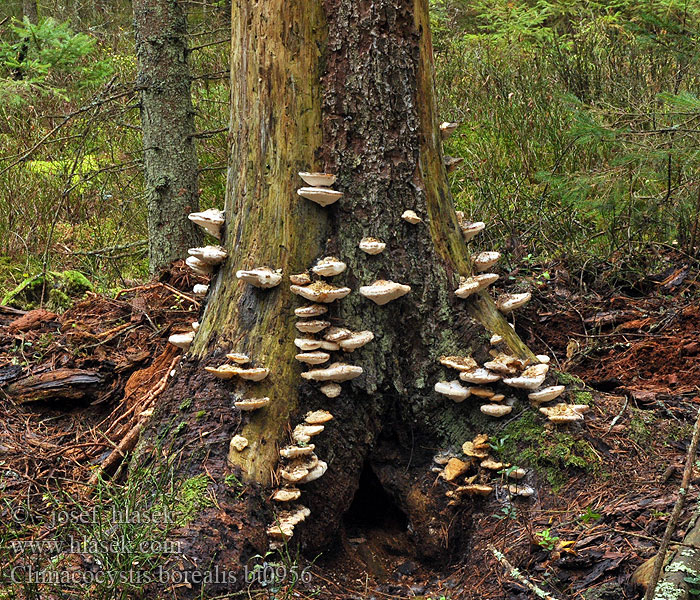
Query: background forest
{"type": "Point", "coordinates": [579, 132]}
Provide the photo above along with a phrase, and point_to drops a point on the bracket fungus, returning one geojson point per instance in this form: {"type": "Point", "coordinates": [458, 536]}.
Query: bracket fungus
{"type": "Point", "coordinates": [479, 376]}
{"type": "Point", "coordinates": [313, 358]}
{"type": "Point", "coordinates": [493, 465]}
{"type": "Point", "coordinates": [230, 371]}
{"type": "Point", "coordinates": [283, 528]}
{"type": "Point", "coordinates": [238, 358]}
{"type": "Point", "coordinates": [239, 443]}
{"type": "Point", "coordinates": [182, 340]}
{"type": "Point", "coordinates": [486, 260]}
{"type": "Point", "coordinates": [496, 410]}
{"type": "Point", "coordinates": [211, 220]}
{"type": "Point", "coordinates": [505, 364]}
{"type": "Point", "coordinates": [461, 363]}
{"type": "Point", "coordinates": [317, 417]}
{"type": "Point", "coordinates": [329, 266]}
{"type": "Point", "coordinates": [300, 279]}
{"type": "Point", "coordinates": [381, 291]}
{"type": "Point", "coordinates": [286, 494]}
{"type": "Point", "coordinates": [336, 372]}
{"type": "Point", "coordinates": [199, 266]}
{"type": "Point", "coordinates": [335, 334]}
{"type": "Point", "coordinates": [195, 325]}
{"type": "Point", "coordinates": [475, 489]}
{"type": "Point", "coordinates": [212, 255]}
{"type": "Point", "coordinates": [319, 195]}
{"type": "Point", "coordinates": [411, 217]}
{"type": "Point", "coordinates": [356, 340]}
{"type": "Point", "coordinates": [452, 162]}
{"type": "Point", "coordinates": [318, 471]}
{"type": "Point", "coordinates": [331, 390]}
{"type": "Point", "coordinates": [543, 358]}
{"type": "Point", "coordinates": [296, 451]}
{"type": "Point", "coordinates": [516, 473]}
{"type": "Point", "coordinates": [327, 346]}
{"type": "Point", "coordinates": [446, 129]}
{"type": "Point", "coordinates": [317, 179]}
{"type": "Point", "coordinates": [371, 245]}
{"type": "Point", "coordinates": [481, 392]}
{"type": "Point", "coordinates": [509, 302]}
{"type": "Point", "coordinates": [306, 344]}
{"type": "Point", "coordinates": [453, 390]}
{"type": "Point", "coordinates": [261, 277]}
{"type": "Point", "coordinates": [530, 379]}
{"type": "Point", "coordinates": [320, 291]}
{"type": "Point", "coordinates": [476, 283]}
{"type": "Point", "coordinates": [469, 228]}
{"type": "Point", "coordinates": [251, 403]}
{"type": "Point", "coordinates": [200, 289]}
{"type": "Point", "coordinates": [454, 468]}
{"type": "Point", "coordinates": [303, 433]}
{"type": "Point", "coordinates": [311, 310]}
{"type": "Point", "coordinates": [525, 491]}
{"type": "Point", "coordinates": [564, 413]}
{"type": "Point", "coordinates": [547, 394]}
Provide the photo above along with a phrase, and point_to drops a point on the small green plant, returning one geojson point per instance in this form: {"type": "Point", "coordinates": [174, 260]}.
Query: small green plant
{"type": "Point", "coordinates": [590, 515]}
{"type": "Point", "coordinates": [546, 540]}
{"type": "Point", "coordinates": [507, 512]}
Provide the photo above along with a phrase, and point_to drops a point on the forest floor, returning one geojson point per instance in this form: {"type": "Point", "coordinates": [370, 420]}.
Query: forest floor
{"type": "Point", "coordinates": [580, 536]}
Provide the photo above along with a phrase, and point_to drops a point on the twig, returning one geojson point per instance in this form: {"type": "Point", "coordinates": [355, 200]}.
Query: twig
{"type": "Point", "coordinates": [676, 513]}
{"type": "Point", "coordinates": [515, 573]}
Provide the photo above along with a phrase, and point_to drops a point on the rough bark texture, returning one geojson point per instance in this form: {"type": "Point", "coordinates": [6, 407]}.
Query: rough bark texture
{"type": "Point", "coordinates": [167, 118]}
{"type": "Point", "coordinates": [344, 86]}
{"type": "Point", "coordinates": [30, 11]}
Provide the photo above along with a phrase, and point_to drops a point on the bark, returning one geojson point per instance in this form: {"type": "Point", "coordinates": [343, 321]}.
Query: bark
{"type": "Point", "coordinates": [342, 86]}
{"type": "Point", "coordinates": [30, 11]}
{"type": "Point", "coordinates": [167, 118]}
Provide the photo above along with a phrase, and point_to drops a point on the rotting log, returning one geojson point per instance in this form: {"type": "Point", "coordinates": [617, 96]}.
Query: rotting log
{"type": "Point", "coordinates": [66, 384]}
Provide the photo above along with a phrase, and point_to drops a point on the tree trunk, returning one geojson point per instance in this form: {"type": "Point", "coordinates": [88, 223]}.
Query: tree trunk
{"type": "Point", "coordinates": [30, 11]}
{"type": "Point", "coordinates": [344, 87]}
{"type": "Point", "coordinates": [167, 118]}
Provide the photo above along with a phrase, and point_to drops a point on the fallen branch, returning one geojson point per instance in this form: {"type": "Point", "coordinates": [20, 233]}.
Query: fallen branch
{"type": "Point", "coordinates": [515, 573]}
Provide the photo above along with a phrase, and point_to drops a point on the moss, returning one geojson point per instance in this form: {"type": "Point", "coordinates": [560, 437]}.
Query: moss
{"type": "Point", "coordinates": [525, 441]}
{"type": "Point", "coordinates": [58, 288]}
{"type": "Point", "coordinates": [640, 431]}
{"type": "Point", "coordinates": [569, 379]}
{"type": "Point", "coordinates": [581, 397]}
{"type": "Point", "coordinates": [192, 498]}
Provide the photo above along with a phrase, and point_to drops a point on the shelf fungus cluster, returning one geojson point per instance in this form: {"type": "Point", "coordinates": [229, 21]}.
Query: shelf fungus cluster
{"type": "Point", "coordinates": [320, 190]}
{"type": "Point", "coordinates": [298, 465]}
{"type": "Point", "coordinates": [474, 472]}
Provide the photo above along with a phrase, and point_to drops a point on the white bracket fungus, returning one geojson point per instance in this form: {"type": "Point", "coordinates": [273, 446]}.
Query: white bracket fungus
{"type": "Point", "coordinates": [319, 195]}
{"type": "Point", "coordinates": [230, 371]}
{"type": "Point", "coordinates": [199, 266]}
{"type": "Point", "coordinates": [296, 451]}
{"type": "Point", "coordinates": [336, 372]}
{"type": "Point", "coordinates": [262, 277]}
{"type": "Point", "coordinates": [318, 471]}
{"type": "Point", "coordinates": [522, 490]}
{"type": "Point", "coordinates": [329, 266]}
{"type": "Point", "coordinates": [453, 390]}
{"type": "Point", "coordinates": [195, 325]}
{"type": "Point", "coordinates": [313, 358]}
{"type": "Point", "coordinates": [496, 410]}
{"type": "Point", "coordinates": [200, 289]}
{"type": "Point", "coordinates": [335, 334]}
{"type": "Point", "coordinates": [505, 364]}
{"type": "Point", "coordinates": [318, 179]}
{"type": "Point", "coordinates": [320, 291]}
{"type": "Point", "coordinates": [300, 279]}
{"type": "Point", "coordinates": [479, 376]}
{"type": "Point", "coordinates": [382, 291]}
{"type": "Point", "coordinates": [461, 363]}
{"type": "Point", "coordinates": [251, 403]}
{"type": "Point", "coordinates": [239, 443]}
{"type": "Point", "coordinates": [312, 310]}
{"type": "Point", "coordinates": [411, 217]}
{"type": "Point", "coordinates": [486, 260]}
{"type": "Point", "coordinates": [238, 358]}
{"type": "Point", "coordinates": [547, 394]}
{"type": "Point", "coordinates": [371, 245]}
{"type": "Point", "coordinates": [303, 433]}
{"type": "Point", "coordinates": [211, 220]}
{"type": "Point", "coordinates": [446, 129]}
{"type": "Point", "coordinates": [331, 390]}
{"type": "Point", "coordinates": [469, 229]}
{"type": "Point", "coordinates": [306, 344]}
{"type": "Point", "coordinates": [471, 285]}
{"type": "Point", "coordinates": [356, 340]}
{"type": "Point", "coordinates": [286, 494]}
{"type": "Point", "coordinates": [481, 392]}
{"type": "Point", "coordinates": [182, 340]}
{"type": "Point", "coordinates": [530, 379]}
{"type": "Point", "coordinates": [329, 346]}
{"type": "Point", "coordinates": [317, 417]}
{"type": "Point", "coordinates": [212, 255]}
{"type": "Point", "coordinates": [451, 162]}
{"type": "Point", "coordinates": [509, 302]}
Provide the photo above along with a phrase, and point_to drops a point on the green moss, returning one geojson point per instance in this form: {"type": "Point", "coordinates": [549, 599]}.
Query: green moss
{"type": "Point", "coordinates": [551, 453]}
{"type": "Point", "coordinates": [640, 431]}
{"type": "Point", "coordinates": [581, 397]}
{"type": "Point", "coordinates": [57, 287]}
{"type": "Point", "coordinates": [186, 404]}
{"type": "Point", "coordinates": [192, 498]}
{"type": "Point", "coordinates": [569, 379]}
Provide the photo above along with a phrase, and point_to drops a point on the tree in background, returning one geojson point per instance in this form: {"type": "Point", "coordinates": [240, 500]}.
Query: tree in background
{"type": "Point", "coordinates": [167, 117]}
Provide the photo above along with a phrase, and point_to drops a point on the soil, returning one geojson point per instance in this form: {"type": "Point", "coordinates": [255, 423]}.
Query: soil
{"type": "Point", "coordinates": [583, 538]}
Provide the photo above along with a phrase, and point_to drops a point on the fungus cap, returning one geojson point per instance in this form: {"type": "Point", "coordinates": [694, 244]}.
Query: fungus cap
{"type": "Point", "coordinates": [475, 489]}
{"type": "Point", "coordinates": [317, 179]}
{"type": "Point", "coordinates": [329, 266]}
{"type": "Point", "coordinates": [300, 279]}
{"type": "Point", "coordinates": [336, 372]}
{"type": "Point", "coordinates": [476, 283]}
{"type": "Point", "coordinates": [286, 494]}
{"type": "Point", "coordinates": [238, 358]}
{"type": "Point", "coordinates": [356, 340]}
{"type": "Point", "coordinates": [454, 468]}
{"type": "Point", "coordinates": [311, 310]}
{"type": "Point", "coordinates": [335, 334]}
{"type": "Point", "coordinates": [461, 363]}
{"type": "Point", "coordinates": [303, 433]}
{"type": "Point", "coordinates": [505, 364]}
{"type": "Point", "coordinates": [313, 358]}
{"type": "Point", "coordinates": [493, 465]}
{"type": "Point", "coordinates": [318, 471]}
{"type": "Point", "coordinates": [229, 371]}
{"type": "Point", "coordinates": [182, 340]}
{"type": "Point", "coordinates": [451, 162]}
{"type": "Point", "coordinates": [329, 346]}
{"type": "Point", "coordinates": [547, 394]}
{"type": "Point", "coordinates": [320, 195]}
{"type": "Point", "coordinates": [239, 443]}
{"type": "Point", "coordinates": [543, 358]}
{"type": "Point", "coordinates": [251, 403]}
{"type": "Point", "coordinates": [496, 410]}
{"type": "Point", "coordinates": [223, 371]}
{"type": "Point", "coordinates": [521, 489]}
{"type": "Point", "coordinates": [331, 390]}
{"type": "Point", "coordinates": [479, 376]}
{"type": "Point", "coordinates": [411, 217]}
{"type": "Point", "coordinates": [446, 129]}
{"type": "Point", "coordinates": [481, 392]}
{"type": "Point", "coordinates": [530, 379]}
{"type": "Point", "coordinates": [382, 291]}
{"type": "Point", "coordinates": [211, 220]}
{"type": "Point", "coordinates": [297, 451]}
{"type": "Point", "coordinates": [485, 260]}
{"type": "Point", "coordinates": [509, 302]}
{"type": "Point", "coordinates": [306, 344]}
{"type": "Point", "coordinates": [561, 413]}
{"type": "Point", "coordinates": [198, 266]}
{"type": "Point", "coordinates": [371, 245]}
{"type": "Point", "coordinates": [200, 289]}
{"type": "Point", "coordinates": [320, 291]}
{"type": "Point", "coordinates": [212, 255]}
{"type": "Point", "coordinates": [261, 277]}
{"type": "Point", "coordinates": [517, 473]}
{"type": "Point", "coordinates": [453, 390]}
{"type": "Point", "coordinates": [317, 417]}
{"type": "Point", "coordinates": [195, 325]}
